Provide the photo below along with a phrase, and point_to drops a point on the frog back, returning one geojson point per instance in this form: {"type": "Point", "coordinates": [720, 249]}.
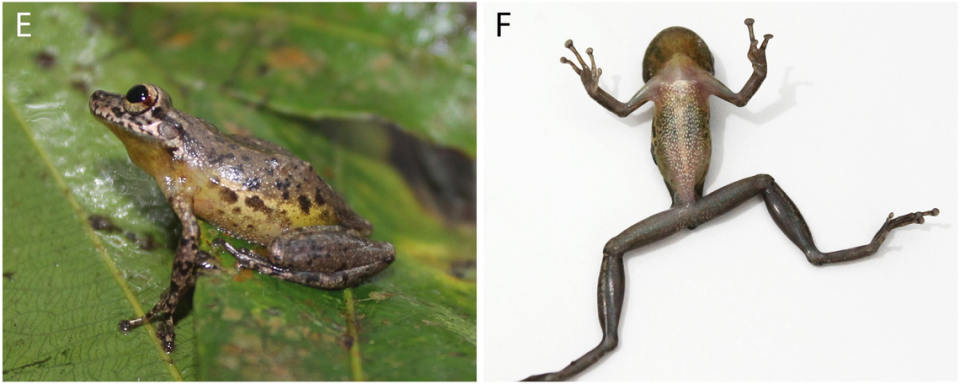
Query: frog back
{"type": "Point", "coordinates": [256, 190]}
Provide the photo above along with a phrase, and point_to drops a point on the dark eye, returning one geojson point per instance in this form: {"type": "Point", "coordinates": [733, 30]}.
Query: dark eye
{"type": "Point", "coordinates": [139, 94]}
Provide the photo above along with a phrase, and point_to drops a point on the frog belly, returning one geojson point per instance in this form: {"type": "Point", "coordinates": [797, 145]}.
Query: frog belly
{"type": "Point", "coordinates": [681, 141]}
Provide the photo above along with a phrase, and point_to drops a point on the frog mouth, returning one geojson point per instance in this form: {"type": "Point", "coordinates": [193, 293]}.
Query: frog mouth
{"type": "Point", "coordinates": [106, 106]}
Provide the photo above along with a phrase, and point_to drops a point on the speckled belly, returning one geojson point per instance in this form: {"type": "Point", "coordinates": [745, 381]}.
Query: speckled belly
{"type": "Point", "coordinates": [681, 140]}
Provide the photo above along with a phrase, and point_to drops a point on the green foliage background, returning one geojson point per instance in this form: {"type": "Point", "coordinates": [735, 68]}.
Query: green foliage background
{"type": "Point", "coordinates": [266, 70]}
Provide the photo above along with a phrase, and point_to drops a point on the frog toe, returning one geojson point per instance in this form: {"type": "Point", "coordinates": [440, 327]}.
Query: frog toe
{"type": "Point", "coordinates": [166, 335]}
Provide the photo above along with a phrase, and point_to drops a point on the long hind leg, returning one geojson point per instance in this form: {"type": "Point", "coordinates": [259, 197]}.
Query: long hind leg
{"type": "Point", "coordinates": [666, 223]}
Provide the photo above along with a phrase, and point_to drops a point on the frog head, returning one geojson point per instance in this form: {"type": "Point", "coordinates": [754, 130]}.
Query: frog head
{"type": "Point", "coordinates": [146, 122]}
{"type": "Point", "coordinates": [675, 41]}
{"type": "Point", "coordinates": [144, 114]}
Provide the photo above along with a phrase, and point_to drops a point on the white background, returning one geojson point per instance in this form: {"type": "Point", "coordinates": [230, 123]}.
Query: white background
{"type": "Point", "coordinates": [857, 118]}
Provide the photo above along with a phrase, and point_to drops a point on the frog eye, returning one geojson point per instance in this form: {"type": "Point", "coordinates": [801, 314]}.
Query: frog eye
{"type": "Point", "coordinates": [140, 98]}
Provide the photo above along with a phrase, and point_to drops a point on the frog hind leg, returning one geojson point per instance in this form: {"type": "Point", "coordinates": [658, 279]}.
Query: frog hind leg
{"type": "Point", "coordinates": [328, 257]}
{"type": "Point", "coordinates": [661, 225]}
{"type": "Point", "coordinates": [181, 280]}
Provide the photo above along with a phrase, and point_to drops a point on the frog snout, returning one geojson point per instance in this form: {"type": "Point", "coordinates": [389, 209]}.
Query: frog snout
{"type": "Point", "coordinates": [391, 254]}
{"type": "Point", "coordinates": [98, 99]}
{"type": "Point", "coordinates": [99, 95]}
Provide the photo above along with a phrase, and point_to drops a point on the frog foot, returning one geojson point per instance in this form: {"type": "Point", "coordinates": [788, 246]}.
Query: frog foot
{"type": "Point", "coordinates": [753, 40]}
{"type": "Point", "coordinates": [564, 60]}
{"type": "Point", "coordinates": [896, 222]}
{"type": "Point", "coordinates": [590, 76]}
{"type": "Point", "coordinates": [165, 330]}
{"type": "Point", "coordinates": [166, 335]}
{"type": "Point", "coordinates": [246, 259]}
{"type": "Point", "coordinates": [127, 325]}
{"type": "Point", "coordinates": [757, 55]}
{"type": "Point", "coordinates": [206, 261]}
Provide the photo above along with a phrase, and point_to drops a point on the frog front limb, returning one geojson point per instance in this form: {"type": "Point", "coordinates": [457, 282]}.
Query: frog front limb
{"type": "Point", "coordinates": [590, 76]}
{"type": "Point", "coordinates": [182, 279]}
{"type": "Point", "coordinates": [758, 58]}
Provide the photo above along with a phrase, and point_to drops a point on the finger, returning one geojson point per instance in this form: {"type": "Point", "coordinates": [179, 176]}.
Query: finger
{"type": "Point", "coordinates": [766, 38]}
{"type": "Point", "coordinates": [569, 44]}
{"type": "Point", "coordinates": [749, 23]}
{"type": "Point", "coordinates": [565, 61]}
{"type": "Point", "coordinates": [593, 65]}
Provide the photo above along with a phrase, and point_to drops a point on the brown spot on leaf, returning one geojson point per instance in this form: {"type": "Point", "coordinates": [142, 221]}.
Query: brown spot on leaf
{"type": "Point", "coordinates": [345, 341]}
{"type": "Point", "coordinates": [232, 314]}
{"type": "Point", "coordinates": [146, 242]}
{"type": "Point", "coordinates": [380, 295]}
{"type": "Point", "coordinates": [291, 57]}
{"type": "Point", "coordinates": [45, 59]}
{"type": "Point", "coordinates": [381, 62]}
{"type": "Point", "coordinates": [180, 40]}
{"type": "Point", "coordinates": [262, 70]}
{"type": "Point", "coordinates": [102, 223]}
{"type": "Point", "coordinates": [80, 85]}
{"type": "Point", "coordinates": [243, 275]}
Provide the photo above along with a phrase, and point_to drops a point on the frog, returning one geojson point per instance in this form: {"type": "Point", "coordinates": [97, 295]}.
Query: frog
{"type": "Point", "coordinates": [250, 189]}
{"type": "Point", "coordinates": [678, 75]}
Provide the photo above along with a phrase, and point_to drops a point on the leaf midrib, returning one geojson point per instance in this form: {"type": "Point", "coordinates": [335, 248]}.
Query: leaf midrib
{"type": "Point", "coordinates": [355, 362]}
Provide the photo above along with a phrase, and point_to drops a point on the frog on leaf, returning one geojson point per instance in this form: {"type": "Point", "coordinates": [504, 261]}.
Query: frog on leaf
{"type": "Point", "coordinates": [250, 188]}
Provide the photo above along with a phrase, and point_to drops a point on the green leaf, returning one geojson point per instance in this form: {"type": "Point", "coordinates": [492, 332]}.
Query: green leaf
{"type": "Point", "coordinates": [66, 285]}
{"type": "Point", "coordinates": [413, 64]}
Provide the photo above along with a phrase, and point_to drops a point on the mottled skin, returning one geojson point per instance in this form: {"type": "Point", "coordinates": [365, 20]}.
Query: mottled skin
{"type": "Point", "coordinates": [678, 76]}
{"type": "Point", "coordinates": [250, 188]}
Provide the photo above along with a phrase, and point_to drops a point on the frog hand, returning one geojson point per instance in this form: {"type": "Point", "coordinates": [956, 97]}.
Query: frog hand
{"type": "Point", "coordinates": [757, 55]}
{"type": "Point", "coordinates": [589, 76]}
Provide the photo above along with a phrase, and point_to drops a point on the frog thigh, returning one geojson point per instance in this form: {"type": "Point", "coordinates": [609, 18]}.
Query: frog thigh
{"type": "Point", "coordinates": [328, 257]}
{"type": "Point", "coordinates": [326, 280]}
{"type": "Point", "coordinates": [328, 249]}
